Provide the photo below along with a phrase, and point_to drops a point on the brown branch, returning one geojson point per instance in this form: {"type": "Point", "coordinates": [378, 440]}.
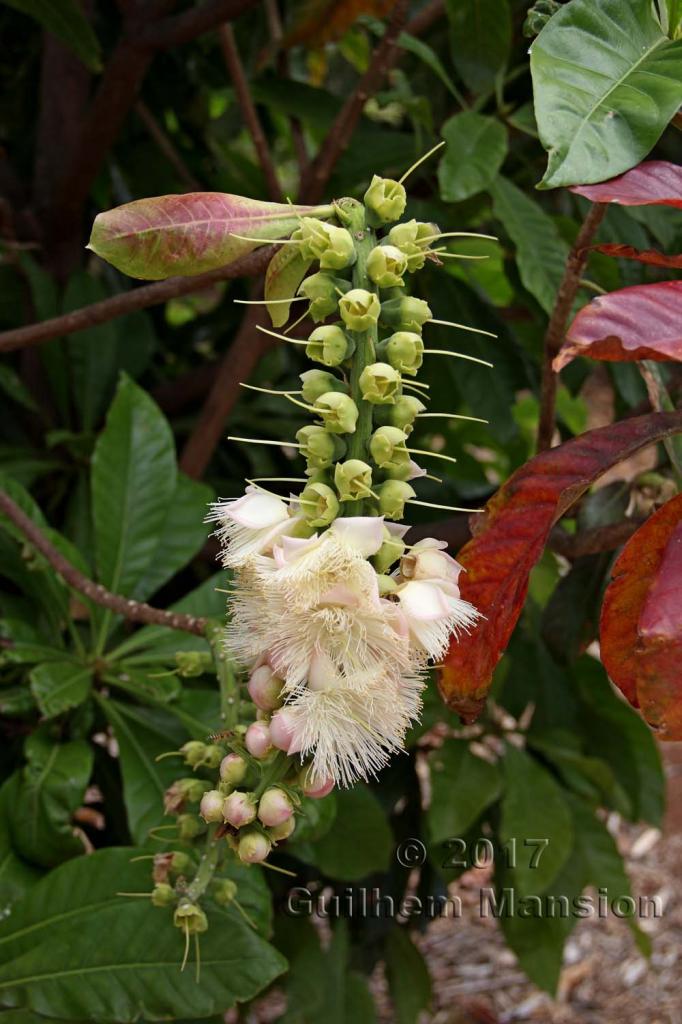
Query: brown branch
{"type": "Point", "coordinates": [425, 18]}
{"type": "Point", "coordinates": [166, 147]}
{"type": "Point", "coordinates": [237, 364]}
{"type": "Point", "coordinates": [182, 28]}
{"type": "Point", "coordinates": [248, 109]}
{"type": "Point", "coordinates": [134, 611]}
{"type": "Point", "coordinates": [558, 321]}
{"type": "Point", "coordinates": [276, 36]}
{"type": "Point", "coordinates": [129, 302]}
{"type": "Point", "coordinates": [384, 57]}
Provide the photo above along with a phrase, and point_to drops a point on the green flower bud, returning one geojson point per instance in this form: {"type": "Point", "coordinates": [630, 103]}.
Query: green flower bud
{"type": "Point", "coordinates": [319, 382]}
{"type": "Point", "coordinates": [406, 313]}
{"type": "Point", "coordinates": [380, 384]}
{"type": "Point", "coordinates": [390, 551]}
{"type": "Point", "coordinates": [189, 826]}
{"type": "Point", "coordinates": [224, 891]}
{"type": "Point", "coordinates": [319, 504]}
{"type": "Point", "coordinates": [386, 265]}
{"type": "Point", "coordinates": [163, 895]}
{"type": "Point", "coordinates": [402, 414]}
{"type": "Point", "coordinates": [359, 309]}
{"type": "Point", "coordinates": [339, 412]}
{"type": "Point", "coordinates": [404, 351]}
{"type": "Point", "coordinates": [385, 199]}
{"type": "Point", "coordinates": [353, 480]}
{"type": "Point", "coordinates": [193, 663]}
{"type": "Point", "coordinates": [180, 862]}
{"type": "Point", "coordinates": [233, 769]}
{"type": "Point", "coordinates": [323, 292]}
{"type": "Point", "coordinates": [387, 448]}
{"type": "Point", "coordinates": [392, 497]}
{"type": "Point", "coordinates": [331, 245]}
{"type": "Point", "coordinates": [281, 832]}
{"type": "Point", "coordinates": [194, 751]}
{"type": "Point", "coordinates": [189, 917]}
{"type": "Point", "coordinates": [413, 238]}
{"type": "Point", "coordinates": [213, 755]}
{"type": "Point", "coordinates": [318, 447]}
{"type": "Point", "coordinates": [253, 848]}
{"type": "Point", "coordinates": [329, 345]}
{"type": "Point", "coordinates": [387, 585]}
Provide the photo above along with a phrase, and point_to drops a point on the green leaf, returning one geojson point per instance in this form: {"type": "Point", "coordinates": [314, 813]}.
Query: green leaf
{"type": "Point", "coordinates": [146, 686]}
{"type": "Point", "coordinates": [590, 777]}
{"type": "Point", "coordinates": [75, 949]}
{"type": "Point", "coordinates": [286, 270]}
{"type": "Point", "coordinates": [133, 481]}
{"type": "Point", "coordinates": [182, 535]}
{"type": "Point", "coordinates": [65, 20]}
{"type": "Point", "coordinates": [606, 83]}
{"type": "Point", "coordinates": [92, 353]}
{"type": "Point", "coordinates": [360, 840]}
{"type": "Point", "coordinates": [13, 386]}
{"type": "Point", "coordinates": [142, 734]}
{"type": "Point", "coordinates": [462, 787]}
{"type": "Point", "coordinates": [52, 786]}
{"type": "Point", "coordinates": [615, 733]}
{"type": "Point", "coordinates": [16, 876]}
{"type": "Point", "coordinates": [480, 34]}
{"type": "Point", "coordinates": [60, 685]}
{"type": "Point", "coordinates": [535, 815]}
{"type": "Point", "coordinates": [540, 251]}
{"type": "Point", "coordinates": [476, 149]}
{"type": "Point", "coordinates": [408, 977]}
{"type": "Point", "coordinates": [418, 48]}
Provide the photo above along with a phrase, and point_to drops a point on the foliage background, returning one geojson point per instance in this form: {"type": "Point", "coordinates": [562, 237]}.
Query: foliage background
{"type": "Point", "coordinates": [112, 441]}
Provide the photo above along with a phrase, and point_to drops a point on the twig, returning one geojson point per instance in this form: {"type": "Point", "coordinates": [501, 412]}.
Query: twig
{"type": "Point", "coordinates": [248, 109]}
{"type": "Point", "coordinates": [339, 135]}
{"type": "Point", "coordinates": [425, 18]}
{"type": "Point", "coordinates": [182, 28]}
{"type": "Point", "coordinates": [558, 321]}
{"type": "Point", "coordinates": [237, 365]}
{"type": "Point", "coordinates": [128, 302]}
{"type": "Point", "coordinates": [166, 146]}
{"type": "Point", "coordinates": [276, 35]}
{"type": "Point", "coordinates": [134, 611]}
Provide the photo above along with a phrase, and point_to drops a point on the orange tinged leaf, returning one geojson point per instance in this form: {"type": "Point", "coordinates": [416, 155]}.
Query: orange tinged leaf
{"type": "Point", "coordinates": [641, 621]}
{"type": "Point", "coordinates": [651, 256]}
{"type": "Point", "coordinates": [509, 538]}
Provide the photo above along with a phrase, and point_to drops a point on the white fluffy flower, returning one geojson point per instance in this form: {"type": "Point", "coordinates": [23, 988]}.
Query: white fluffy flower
{"type": "Point", "coordinates": [250, 525]}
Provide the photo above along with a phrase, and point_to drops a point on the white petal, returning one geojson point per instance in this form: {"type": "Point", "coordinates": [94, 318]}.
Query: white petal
{"type": "Point", "coordinates": [423, 600]}
{"type": "Point", "coordinates": [257, 511]}
{"type": "Point", "coordinates": [364, 534]}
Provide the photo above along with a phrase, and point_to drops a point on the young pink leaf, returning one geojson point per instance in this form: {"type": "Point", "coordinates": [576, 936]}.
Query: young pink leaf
{"type": "Point", "coordinates": [652, 182]}
{"type": "Point", "coordinates": [190, 234]}
{"type": "Point", "coordinates": [642, 322]}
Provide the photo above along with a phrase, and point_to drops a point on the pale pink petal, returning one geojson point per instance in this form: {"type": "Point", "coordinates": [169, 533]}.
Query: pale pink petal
{"type": "Point", "coordinates": [363, 533]}
{"type": "Point", "coordinates": [423, 600]}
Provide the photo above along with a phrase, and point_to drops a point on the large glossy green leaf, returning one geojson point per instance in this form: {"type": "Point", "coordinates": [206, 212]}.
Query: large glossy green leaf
{"type": "Point", "coordinates": [359, 841]}
{"type": "Point", "coordinates": [92, 352]}
{"type": "Point", "coordinates": [480, 32]}
{"type": "Point", "coordinates": [142, 734]}
{"type": "Point", "coordinates": [182, 535]}
{"type": "Point", "coordinates": [66, 20]}
{"type": "Point", "coordinates": [59, 685]}
{"type": "Point", "coordinates": [462, 787]}
{"type": "Point", "coordinates": [408, 977]}
{"type": "Point", "coordinates": [77, 950]}
{"type": "Point", "coordinates": [134, 478]}
{"type": "Point", "coordinates": [475, 151]}
{"type": "Point", "coordinates": [540, 251]}
{"type": "Point", "coordinates": [536, 816]}
{"type": "Point", "coordinates": [606, 82]}
{"type": "Point", "coordinates": [52, 786]}
{"type": "Point", "coordinates": [16, 875]}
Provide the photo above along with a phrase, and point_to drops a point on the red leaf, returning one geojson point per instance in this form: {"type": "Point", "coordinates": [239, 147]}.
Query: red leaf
{"type": "Point", "coordinates": [628, 252]}
{"type": "Point", "coordinates": [189, 234]}
{"type": "Point", "coordinates": [654, 181]}
{"type": "Point", "coordinates": [509, 538]}
{"type": "Point", "coordinates": [641, 621]}
{"type": "Point", "coordinates": [643, 322]}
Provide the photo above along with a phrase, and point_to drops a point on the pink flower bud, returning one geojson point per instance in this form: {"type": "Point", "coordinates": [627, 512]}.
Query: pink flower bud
{"type": "Point", "coordinates": [281, 832]}
{"type": "Point", "coordinates": [258, 740]}
{"type": "Point", "coordinates": [265, 688]}
{"type": "Point", "coordinates": [312, 786]}
{"type": "Point", "coordinates": [232, 769]}
{"type": "Point", "coordinates": [274, 807]}
{"type": "Point", "coordinates": [282, 732]}
{"type": "Point", "coordinates": [253, 848]}
{"type": "Point", "coordinates": [211, 806]}
{"type": "Point", "coordinates": [239, 809]}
